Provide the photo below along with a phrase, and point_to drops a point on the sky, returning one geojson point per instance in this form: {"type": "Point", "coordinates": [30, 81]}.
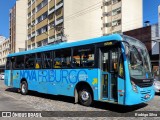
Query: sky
{"type": "Point", "coordinates": [150, 13]}
{"type": "Point", "coordinates": [150, 10]}
{"type": "Point", "coordinates": [5, 6]}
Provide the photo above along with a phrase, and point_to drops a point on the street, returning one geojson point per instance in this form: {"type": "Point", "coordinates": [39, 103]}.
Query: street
{"type": "Point", "coordinates": [12, 100]}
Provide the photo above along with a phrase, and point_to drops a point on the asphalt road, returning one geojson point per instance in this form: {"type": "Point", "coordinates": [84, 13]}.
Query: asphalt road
{"type": "Point", "coordinates": [12, 100]}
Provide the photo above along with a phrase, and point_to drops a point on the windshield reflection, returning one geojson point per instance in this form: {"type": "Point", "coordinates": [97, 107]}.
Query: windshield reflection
{"type": "Point", "coordinates": [139, 63]}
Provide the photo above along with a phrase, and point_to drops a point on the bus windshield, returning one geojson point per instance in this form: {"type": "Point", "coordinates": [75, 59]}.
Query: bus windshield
{"type": "Point", "coordinates": [138, 59]}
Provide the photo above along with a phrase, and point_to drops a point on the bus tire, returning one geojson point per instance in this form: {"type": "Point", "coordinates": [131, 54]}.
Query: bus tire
{"type": "Point", "coordinates": [24, 88]}
{"type": "Point", "coordinates": [85, 97]}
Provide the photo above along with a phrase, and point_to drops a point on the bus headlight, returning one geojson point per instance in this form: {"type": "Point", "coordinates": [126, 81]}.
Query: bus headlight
{"type": "Point", "coordinates": [134, 87]}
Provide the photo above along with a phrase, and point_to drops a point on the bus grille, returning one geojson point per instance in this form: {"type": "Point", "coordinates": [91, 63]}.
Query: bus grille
{"type": "Point", "coordinates": [144, 93]}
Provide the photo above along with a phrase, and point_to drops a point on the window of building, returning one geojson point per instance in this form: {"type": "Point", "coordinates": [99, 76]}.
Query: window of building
{"type": "Point", "coordinates": [44, 29]}
{"type": "Point", "coordinates": [51, 25]}
{"type": "Point", "coordinates": [115, 1]}
{"type": "Point", "coordinates": [38, 7]}
{"type": "Point", "coordinates": [117, 32]}
{"type": "Point", "coordinates": [52, 38]}
{"type": "Point", "coordinates": [116, 11]}
{"type": "Point", "coordinates": [33, 22]}
{"type": "Point", "coordinates": [108, 25]}
{"type": "Point", "coordinates": [45, 42]}
{"type": "Point", "coordinates": [60, 1]}
{"type": "Point", "coordinates": [39, 31]}
{"type": "Point", "coordinates": [42, 4]}
{"type": "Point", "coordinates": [51, 16]}
{"type": "Point", "coordinates": [29, 4]}
{"type": "Point", "coordinates": [33, 11]}
{"type": "Point", "coordinates": [47, 60]}
{"type": "Point", "coordinates": [45, 15]}
{"type": "Point", "coordinates": [108, 3]}
{"type": "Point", "coordinates": [51, 8]}
{"type": "Point", "coordinates": [107, 14]}
{"type": "Point", "coordinates": [42, 17]}
{"type": "Point", "coordinates": [33, 45]}
{"type": "Point", "coordinates": [33, 34]}
{"type": "Point", "coordinates": [29, 47]}
{"type": "Point", "coordinates": [29, 15]}
{"type": "Point", "coordinates": [58, 12]}
{"type": "Point", "coordinates": [29, 36]}
{"type": "Point", "coordinates": [33, 1]}
{"type": "Point", "coordinates": [116, 22]}
{"type": "Point", "coordinates": [30, 61]}
{"type": "Point", "coordinates": [39, 44]}
{"type": "Point", "coordinates": [29, 25]}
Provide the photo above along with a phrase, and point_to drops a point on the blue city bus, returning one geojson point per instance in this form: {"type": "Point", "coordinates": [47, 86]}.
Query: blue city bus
{"type": "Point", "coordinates": [114, 68]}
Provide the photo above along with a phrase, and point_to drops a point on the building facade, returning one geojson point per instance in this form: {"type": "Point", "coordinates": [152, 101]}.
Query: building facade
{"type": "Point", "coordinates": [18, 26]}
{"type": "Point", "coordinates": [45, 22]}
{"type": "Point", "coordinates": [159, 19]}
{"type": "Point", "coordinates": [52, 21]}
{"type": "Point", "coordinates": [4, 51]}
{"type": "Point", "coordinates": [88, 18]}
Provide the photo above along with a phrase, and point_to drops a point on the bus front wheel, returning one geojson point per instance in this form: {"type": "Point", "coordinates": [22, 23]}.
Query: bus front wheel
{"type": "Point", "coordinates": [85, 96]}
{"type": "Point", "coordinates": [24, 88]}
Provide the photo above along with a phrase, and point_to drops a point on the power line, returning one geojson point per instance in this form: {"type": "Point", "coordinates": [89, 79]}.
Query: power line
{"type": "Point", "coordinates": [83, 10]}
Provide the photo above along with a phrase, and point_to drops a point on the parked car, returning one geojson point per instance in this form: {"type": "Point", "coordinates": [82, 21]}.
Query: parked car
{"type": "Point", "coordinates": [157, 85]}
{"type": "Point", "coordinates": [2, 76]}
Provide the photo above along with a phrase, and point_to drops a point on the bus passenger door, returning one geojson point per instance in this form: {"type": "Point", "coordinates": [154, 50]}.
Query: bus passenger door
{"type": "Point", "coordinates": [109, 64]}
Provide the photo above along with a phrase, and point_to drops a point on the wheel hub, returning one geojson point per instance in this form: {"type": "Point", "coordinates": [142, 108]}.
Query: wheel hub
{"type": "Point", "coordinates": [23, 88]}
{"type": "Point", "coordinates": [85, 95]}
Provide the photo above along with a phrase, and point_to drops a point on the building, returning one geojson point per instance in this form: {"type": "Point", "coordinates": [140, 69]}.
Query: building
{"type": "Point", "coordinates": [4, 51]}
{"type": "Point", "coordinates": [45, 22]}
{"type": "Point", "coordinates": [90, 18]}
{"type": "Point", "coordinates": [18, 26]}
{"type": "Point", "coordinates": [2, 38]}
{"type": "Point", "coordinates": [51, 21]}
{"type": "Point", "coordinates": [159, 19]}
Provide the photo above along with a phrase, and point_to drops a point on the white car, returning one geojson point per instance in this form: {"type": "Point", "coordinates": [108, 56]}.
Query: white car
{"type": "Point", "coordinates": [157, 86]}
{"type": "Point", "coordinates": [2, 76]}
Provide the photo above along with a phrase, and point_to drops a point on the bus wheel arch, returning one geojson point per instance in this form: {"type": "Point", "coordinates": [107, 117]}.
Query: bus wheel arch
{"type": "Point", "coordinates": [23, 86]}
{"type": "Point", "coordinates": [83, 89]}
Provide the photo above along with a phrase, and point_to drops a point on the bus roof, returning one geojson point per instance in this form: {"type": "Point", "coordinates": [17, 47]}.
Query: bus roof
{"type": "Point", "coordinates": [70, 44]}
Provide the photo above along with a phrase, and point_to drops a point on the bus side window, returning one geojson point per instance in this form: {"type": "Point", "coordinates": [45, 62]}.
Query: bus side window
{"type": "Point", "coordinates": [57, 59]}
{"type": "Point", "coordinates": [114, 60]}
{"type": "Point", "coordinates": [38, 64]}
{"type": "Point", "coordinates": [8, 63]}
{"type": "Point", "coordinates": [30, 61]}
{"type": "Point", "coordinates": [47, 59]}
{"type": "Point", "coordinates": [66, 58]}
{"type": "Point", "coordinates": [19, 62]}
{"type": "Point", "coordinates": [76, 58]}
{"type": "Point", "coordinates": [121, 67]}
{"type": "Point", "coordinates": [83, 57]}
